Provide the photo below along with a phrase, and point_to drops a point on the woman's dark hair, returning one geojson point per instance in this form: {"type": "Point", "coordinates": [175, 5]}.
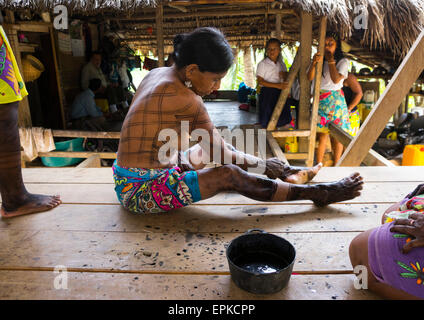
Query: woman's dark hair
{"type": "Point", "coordinates": [273, 40]}
{"type": "Point", "coordinates": [338, 54]}
{"type": "Point", "coordinates": [206, 47]}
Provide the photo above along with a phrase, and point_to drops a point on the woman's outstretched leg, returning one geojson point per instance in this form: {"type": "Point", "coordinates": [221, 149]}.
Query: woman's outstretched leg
{"type": "Point", "coordinates": [232, 178]}
{"type": "Point", "coordinates": [16, 200]}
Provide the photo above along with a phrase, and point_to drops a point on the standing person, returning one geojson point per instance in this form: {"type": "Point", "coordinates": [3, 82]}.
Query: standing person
{"type": "Point", "coordinates": [149, 177]}
{"type": "Point", "coordinates": [16, 200]}
{"type": "Point", "coordinates": [332, 103]}
{"type": "Point", "coordinates": [271, 75]}
{"type": "Point", "coordinates": [353, 95]}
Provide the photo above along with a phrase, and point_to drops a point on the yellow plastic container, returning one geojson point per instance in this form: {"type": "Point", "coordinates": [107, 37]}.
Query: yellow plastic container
{"type": "Point", "coordinates": [291, 145]}
{"type": "Point", "coordinates": [413, 155]}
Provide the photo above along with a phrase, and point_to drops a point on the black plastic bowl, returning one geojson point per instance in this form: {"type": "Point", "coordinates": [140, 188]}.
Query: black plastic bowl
{"type": "Point", "coordinates": [260, 262]}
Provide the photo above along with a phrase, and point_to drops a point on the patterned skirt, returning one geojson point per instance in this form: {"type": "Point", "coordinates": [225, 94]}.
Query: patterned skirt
{"type": "Point", "coordinates": [141, 190]}
{"type": "Point", "coordinates": [332, 108]}
{"type": "Point", "coordinates": [385, 257]}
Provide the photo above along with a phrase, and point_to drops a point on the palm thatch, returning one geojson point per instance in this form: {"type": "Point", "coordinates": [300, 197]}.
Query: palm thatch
{"type": "Point", "coordinates": [393, 25]}
{"type": "Point", "coordinates": [87, 7]}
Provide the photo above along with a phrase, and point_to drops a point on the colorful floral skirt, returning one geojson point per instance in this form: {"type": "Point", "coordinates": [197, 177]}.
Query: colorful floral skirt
{"type": "Point", "coordinates": [142, 190]}
{"type": "Point", "coordinates": [386, 260]}
{"type": "Point", "coordinates": [12, 87]}
{"type": "Point", "coordinates": [332, 108]}
{"type": "Point", "coordinates": [355, 122]}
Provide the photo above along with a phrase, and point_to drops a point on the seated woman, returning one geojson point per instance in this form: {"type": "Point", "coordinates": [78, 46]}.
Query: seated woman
{"type": "Point", "coordinates": [394, 252]}
{"type": "Point", "coordinates": [150, 177]}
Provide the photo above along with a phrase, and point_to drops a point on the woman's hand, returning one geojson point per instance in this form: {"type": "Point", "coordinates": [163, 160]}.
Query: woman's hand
{"type": "Point", "coordinates": [275, 168]}
{"type": "Point", "coordinates": [184, 163]}
{"type": "Point", "coordinates": [317, 58]}
{"type": "Point", "coordinates": [283, 85]}
{"type": "Point", "coordinates": [418, 190]}
{"type": "Point", "coordinates": [414, 226]}
{"type": "Point", "coordinates": [329, 56]}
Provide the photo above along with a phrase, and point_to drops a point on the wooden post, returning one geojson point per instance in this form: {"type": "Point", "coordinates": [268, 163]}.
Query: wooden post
{"type": "Point", "coordinates": [58, 81]}
{"type": "Point", "coordinates": [402, 81]}
{"type": "Point", "coordinates": [249, 75]}
{"type": "Point", "coordinates": [305, 85]}
{"type": "Point", "coordinates": [317, 86]}
{"type": "Point", "coordinates": [294, 70]}
{"type": "Point", "coordinates": [159, 35]}
{"type": "Point", "coordinates": [372, 158]}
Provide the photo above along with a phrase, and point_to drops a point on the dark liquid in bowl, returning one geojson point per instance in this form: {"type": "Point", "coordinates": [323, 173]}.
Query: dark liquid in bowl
{"type": "Point", "coordinates": [261, 262]}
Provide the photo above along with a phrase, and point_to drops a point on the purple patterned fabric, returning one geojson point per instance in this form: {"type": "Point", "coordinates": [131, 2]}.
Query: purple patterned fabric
{"type": "Point", "coordinates": [390, 266]}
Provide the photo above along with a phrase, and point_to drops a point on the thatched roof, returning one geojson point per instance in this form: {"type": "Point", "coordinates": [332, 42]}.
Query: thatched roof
{"type": "Point", "coordinates": [87, 7]}
{"type": "Point", "coordinates": [393, 25]}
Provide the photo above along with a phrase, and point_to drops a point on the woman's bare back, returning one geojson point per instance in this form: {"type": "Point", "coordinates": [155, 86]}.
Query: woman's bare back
{"type": "Point", "coordinates": [162, 101]}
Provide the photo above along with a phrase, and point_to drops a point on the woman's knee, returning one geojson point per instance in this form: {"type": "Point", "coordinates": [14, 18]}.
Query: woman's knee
{"type": "Point", "coordinates": [231, 175]}
{"type": "Point", "coordinates": [358, 249]}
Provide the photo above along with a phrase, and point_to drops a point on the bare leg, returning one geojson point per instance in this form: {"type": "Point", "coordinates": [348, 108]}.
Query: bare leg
{"type": "Point", "coordinates": [232, 178]}
{"type": "Point", "coordinates": [304, 176]}
{"type": "Point", "coordinates": [358, 253]}
{"type": "Point", "coordinates": [322, 145]}
{"type": "Point", "coordinates": [337, 150]}
{"type": "Point", "coordinates": [16, 200]}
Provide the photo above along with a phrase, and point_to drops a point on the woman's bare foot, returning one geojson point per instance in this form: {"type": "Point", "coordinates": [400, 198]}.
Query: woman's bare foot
{"type": "Point", "coordinates": [33, 203]}
{"type": "Point", "coordinates": [304, 176]}
{"type": "Point", "coordinates": [346, 189]}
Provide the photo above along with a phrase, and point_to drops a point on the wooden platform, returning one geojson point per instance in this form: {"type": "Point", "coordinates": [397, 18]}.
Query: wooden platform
{"type": "Point", "coordinates": [112, 254]}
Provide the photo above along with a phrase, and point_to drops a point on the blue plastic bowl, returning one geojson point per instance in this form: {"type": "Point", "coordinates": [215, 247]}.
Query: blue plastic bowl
{"type": "Point", "coordinates": [69, 145]}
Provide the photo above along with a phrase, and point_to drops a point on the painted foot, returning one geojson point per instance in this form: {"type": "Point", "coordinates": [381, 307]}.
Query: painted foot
{"type": "Point", "coordinates": [34, 203]}
{"type": "Point", "coordinates": [304, 176]}
{"type": "Point", "coordinates": [345, 189]}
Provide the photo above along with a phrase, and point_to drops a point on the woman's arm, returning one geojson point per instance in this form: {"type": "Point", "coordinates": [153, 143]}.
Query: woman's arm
{"type": "Point", "coordinates": [335, 75]}
{"type": "Point", "coordinates": [356, 89]}
{"type": "Point", "coordinates": [312, 67]}
{"type": "Point", "coordinates": [263, 83]}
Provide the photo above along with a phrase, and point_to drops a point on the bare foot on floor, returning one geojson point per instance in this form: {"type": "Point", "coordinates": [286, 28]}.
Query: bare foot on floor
{"type": "Point", "coordinates": [304, 176]}
{"type": "Point", "coordinates": [346, 189]}
{"type": "Point", "coordinates": [34, 203]}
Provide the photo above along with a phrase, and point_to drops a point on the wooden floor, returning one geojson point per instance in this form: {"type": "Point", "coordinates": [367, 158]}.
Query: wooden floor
{"type": "Point", "coordinates": [112, 254]}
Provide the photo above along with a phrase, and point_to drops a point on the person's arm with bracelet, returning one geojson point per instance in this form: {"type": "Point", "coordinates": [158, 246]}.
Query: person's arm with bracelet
{"type": "Point", "coordinates": [335, 75]}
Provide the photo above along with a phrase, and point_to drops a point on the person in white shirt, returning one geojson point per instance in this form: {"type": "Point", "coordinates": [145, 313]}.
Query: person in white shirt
{"type": "Point", "coordinates": [332, 104]}
{"type": "Point", "coordinates": [271, 75]}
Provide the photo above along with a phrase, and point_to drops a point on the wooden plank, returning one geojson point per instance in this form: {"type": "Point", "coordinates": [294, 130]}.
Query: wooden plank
{"type": "Point", "coordinates": [297, 156]}
{"type": "Point", "coordinates": [326, 174]}
{"type": "Point", "coordinates": [42, 27]}
{"type": "Point", "coordinates": [77, 154]}
{"type": "Point", "coordinates": [204, 219]}
{"type": "Point", "coordinates": [372, 158]}
{"type": "Point", "coordinates": [275, 147]}
{"type": "Point", "coordinates": [304, 121]}
{"type": "Point", "coordinates": [91, 162]}
{"type": "Point", "coordinates": [86, 134]}
{"type": "Point", "coordinates": [317, 86]}
{"type": "Point", "coordinates": [291, 133]}
{"type": "Point", "coordinates": [39, 285]}
{"type": "Point", "coordinates": [159, 252]}
{"type": "Point", "coordinates": [159, 35]}
{"type": "Point", "coordinates": [405, 76]}
{"type": "Point", "coordinates": [294, 70]}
